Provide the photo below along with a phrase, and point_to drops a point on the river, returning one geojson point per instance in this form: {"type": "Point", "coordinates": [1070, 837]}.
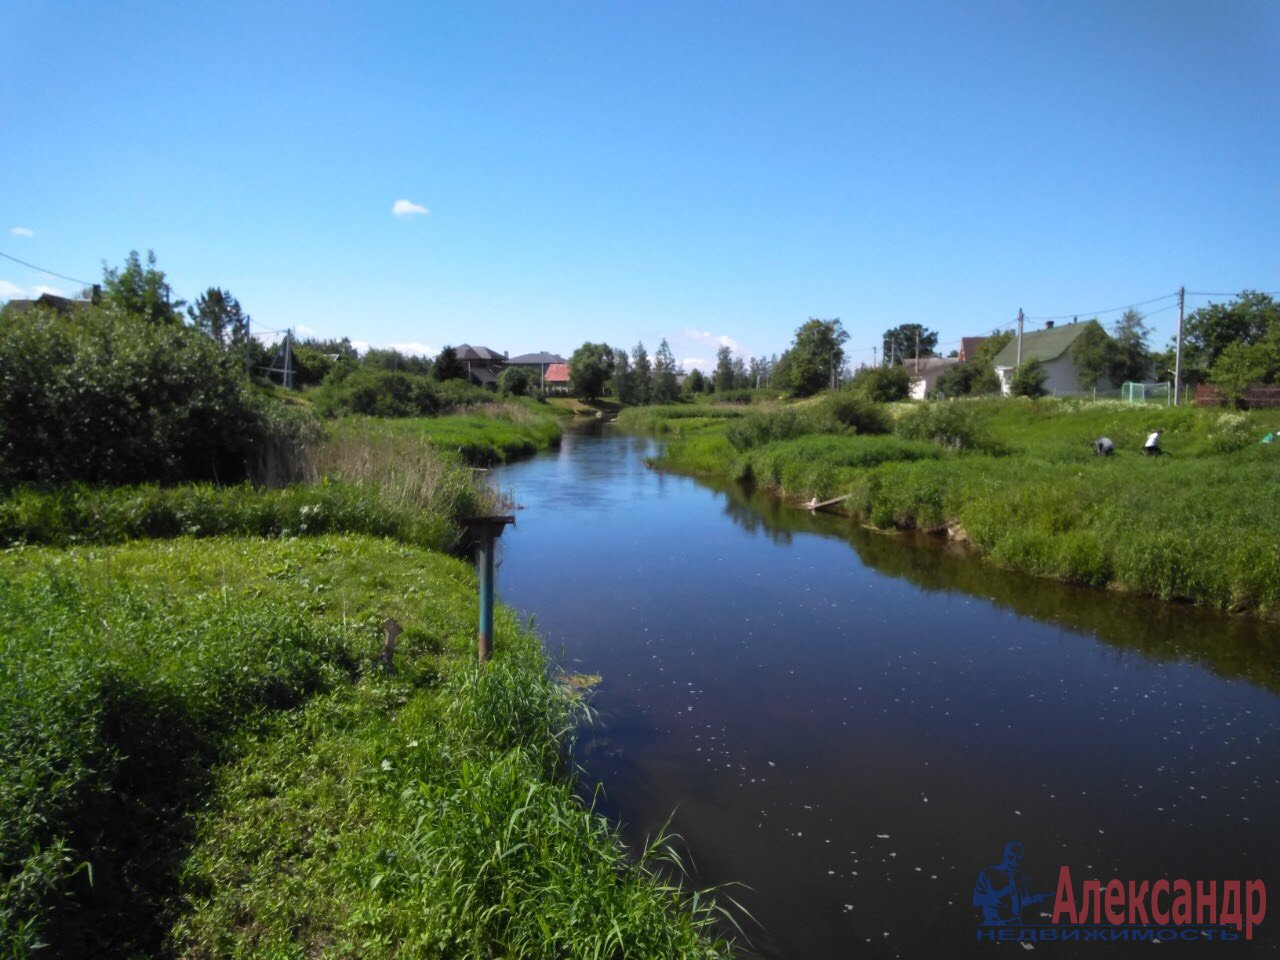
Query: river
{"type": "Point", "coordinates": [850, 726]}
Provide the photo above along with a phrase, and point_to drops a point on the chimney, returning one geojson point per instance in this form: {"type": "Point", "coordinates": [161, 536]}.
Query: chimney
{"type": "Point", "coordinates": [1048, 324]}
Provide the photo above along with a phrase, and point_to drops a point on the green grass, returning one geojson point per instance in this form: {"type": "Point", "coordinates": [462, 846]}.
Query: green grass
{"type": "Point", "coordinates": [80, 514]}
{"type": "Point", "coordinates": [1019, 481]}
{"type": "Point", "coordinates": [661, 418]}
{"type": "Point", "coordinates": [201, 754]}
{"type": "Point", "coordinates": [481, 437]}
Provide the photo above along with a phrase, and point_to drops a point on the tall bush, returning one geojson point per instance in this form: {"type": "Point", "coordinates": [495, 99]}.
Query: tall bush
{"type": "Point", "coordinates": [105, 396]}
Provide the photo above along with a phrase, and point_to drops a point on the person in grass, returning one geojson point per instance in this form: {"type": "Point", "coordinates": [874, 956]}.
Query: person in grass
{"type": "Point", "coordinates": [1103, 447]}
{"type": "Point", "coordinates": [1152, 447]}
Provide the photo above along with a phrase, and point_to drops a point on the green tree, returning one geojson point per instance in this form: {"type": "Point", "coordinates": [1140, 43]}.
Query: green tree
{"type": "Point", "coordinates": [1132, 351]}
{"type": "Point", "coordinates": [1029, 380]}
{"type": "Point", "coordinates": [1211, 329]}
{"type": "Point", "coordinates": [882, 384]}
{"type": "Point", "coordinates": [1240, 366]}
{"type": "Point", "coordinates": [141, 292]}
{"type": "Point", "coordinates": [909, 340]}
{"type": "Point", "coordinates": [977, 375]}
{"type": "Point", "coordinates": [1094, 355]}
{"type": "Point", "coordinates": [741, 380]}
{"type": "Point", "coordinates": [590, 368]}
{"type": "Point", "coordinates": [694, 384]}
{"type": "Point", "coordinates": [643, 371]}
{"type": "Point", "coordinates": [666, 389]}
{"type": "Point", "coordinates": [395, 360]}
{"type": "Point", "coordinates": [723, 376]}
{"type": "Point", "coordinates": [516, 382]}
{"type": "Point", "coordinates": [815, 355]}
{"type": "Point", "coordinates": [623, 384]}
{"type": "Point", "coordinates": [448, 366]}
{"type": "Point", "coordinates": [219, 315]}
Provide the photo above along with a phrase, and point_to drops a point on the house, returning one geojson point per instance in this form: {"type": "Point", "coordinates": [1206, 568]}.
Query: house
{"type": "Point", "coordinates": [556, 379]}
{"type": "Point", "coordinates": [969, 347]}
{"type": "Point", "coordinates": [538, 363]}
{"type": "Point", "coordinates": [63, 305]}
{"type": "Point", "coordinates": [925, 372]}
{"type": "Point", "coordinates": [1052, 347]}
{"type": "Point", "coordinates": [484, 366]}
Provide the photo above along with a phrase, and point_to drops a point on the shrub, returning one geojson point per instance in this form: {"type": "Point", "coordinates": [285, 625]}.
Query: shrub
{"type": "Point", "coordinates": [856, 411]}
{"type": "Point", "coordinates": [375, 392]}
{"type": "Point", "coordinates": [1029, 380]}
{"type": "Point", "coordinates": [1230, 432]}
{"type": "Point", "coordinates": [758, 429]}
{"type": "Point", "coordinates": [106, 397]}
{"type": "Point", "coordinates": [515, 382]}
{"type": "Point", "coordinates": [882, 384]}
{"type": "Point", "coordinates": [946, 424]}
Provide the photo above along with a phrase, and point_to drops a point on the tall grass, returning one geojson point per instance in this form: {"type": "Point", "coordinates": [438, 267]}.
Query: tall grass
{"type": "Point", "coordinates": [493, 433]}
{"type": "Point", "coordinates": [201, 755]}
{"type": "Point", "coordinates": [658, 418]}
{"type": "Point", "coordinates": [1017, 478]}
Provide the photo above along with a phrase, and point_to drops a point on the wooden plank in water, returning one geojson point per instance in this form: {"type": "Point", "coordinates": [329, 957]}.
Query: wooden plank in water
{"type": "Point", "coordinates": [814, 505]}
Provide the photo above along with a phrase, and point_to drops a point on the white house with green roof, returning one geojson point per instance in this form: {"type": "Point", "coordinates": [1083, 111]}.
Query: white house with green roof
{"type": "Point", "coordinates": [1052, 347]}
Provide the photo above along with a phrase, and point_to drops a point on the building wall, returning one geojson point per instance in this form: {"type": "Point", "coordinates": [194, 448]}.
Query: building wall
{"type": "Point", "coordinates": [1061, 379]}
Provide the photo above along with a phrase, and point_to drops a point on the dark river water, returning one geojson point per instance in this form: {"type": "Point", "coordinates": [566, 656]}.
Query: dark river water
{"type": "Point", "coordinates": [851, 726]}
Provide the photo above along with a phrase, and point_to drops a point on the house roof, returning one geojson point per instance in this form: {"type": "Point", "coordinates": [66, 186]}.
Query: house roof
{"type": "Point", "coordinates": [479, 354]}
{"type": "Point", "coordinates": [483, 375]}
{"type": "Point", "coordinates": [536, 359]}
{"type": "Point", "coordinates": [927, 365]}
{"type": "Point", "coordinates": [558, 373]}
{"type": "Point", "coordinates": [1043, 345]}
{"type": "Point", "coordinates": [61, 304]}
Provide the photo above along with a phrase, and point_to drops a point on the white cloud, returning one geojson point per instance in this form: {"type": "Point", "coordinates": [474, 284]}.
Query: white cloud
{"type": "Point", "coordinates": [696, 363]}
{"type": "Point", "coordinates": [304, 331]}
{"type": "Point", "coordinates": [415, 349]}
{"type": "Point", "coordinates": [22, 232]}
{"type": "Point", "coordinates": [11, 291]}
{"type": "Point", "coordinates": [706, 336]}
{"type": "Point", "coordinates": [407, 208]}
{"type": "Point", "coordinates": [361, 346]}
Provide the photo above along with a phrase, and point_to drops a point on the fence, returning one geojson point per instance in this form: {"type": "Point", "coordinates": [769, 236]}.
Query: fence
{"type": "Point", "coordinates": [1254, 397]}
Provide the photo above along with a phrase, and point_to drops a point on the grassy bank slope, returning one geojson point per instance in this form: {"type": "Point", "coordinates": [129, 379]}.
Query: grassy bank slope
{"type": "Point", "coordinates": [201, 753]}
{"type": "Point", "coordinates": [1019, 481]}
{"type": "Point", "coordinates": [480, 437]}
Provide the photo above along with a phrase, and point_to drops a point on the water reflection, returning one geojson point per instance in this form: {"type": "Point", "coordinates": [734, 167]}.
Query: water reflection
{"type": "Point", "coordinates": [1229, 646]}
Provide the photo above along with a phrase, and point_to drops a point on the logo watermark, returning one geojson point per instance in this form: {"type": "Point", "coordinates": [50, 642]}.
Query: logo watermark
{"type": "Point", "coordinates": [1156, 911]}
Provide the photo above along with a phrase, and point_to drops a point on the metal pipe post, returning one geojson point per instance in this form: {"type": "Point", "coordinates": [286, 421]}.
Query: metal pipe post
{"type": "Point", "coordinates": [484, 565]}
{"type": "Point", "coordinates": [484, 532]}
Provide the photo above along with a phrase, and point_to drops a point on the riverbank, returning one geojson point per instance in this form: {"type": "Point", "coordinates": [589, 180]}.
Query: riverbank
{"type": "Point", "coordinates": [208, 749]}
{"type": "Point", "coordinates": [1018, 481]}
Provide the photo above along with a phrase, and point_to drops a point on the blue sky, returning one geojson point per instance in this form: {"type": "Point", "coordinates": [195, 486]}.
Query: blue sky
{"type": "Point", "coordinates": [624, 171]}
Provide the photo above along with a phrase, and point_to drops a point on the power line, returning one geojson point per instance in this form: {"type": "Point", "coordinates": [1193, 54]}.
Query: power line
{"type": "Point", "coordinates": [1087, 313]}
{"type": "Point", "coordinates": [60, 276]}
{"type": "Point", "coordinates": [1201, 293]}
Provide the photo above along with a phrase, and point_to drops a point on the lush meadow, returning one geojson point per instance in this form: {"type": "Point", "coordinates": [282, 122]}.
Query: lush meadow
{"type": "Point", "coordinates": [205, 753]}
{"type": "Point", "coordinates": [1017, 479]}
{"type": "Point", "coordinates": [207, 748]}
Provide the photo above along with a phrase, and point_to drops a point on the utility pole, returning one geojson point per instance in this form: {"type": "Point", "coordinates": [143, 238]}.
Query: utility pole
{"type": "Point", "coordinates": [288, 359]}
{"type": "Point", "coordinates": [1177, 363]}
{"type": "Point", "coordinates": [1018, 366]}
{"type": "Point", "coordinates": [874, 359]}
